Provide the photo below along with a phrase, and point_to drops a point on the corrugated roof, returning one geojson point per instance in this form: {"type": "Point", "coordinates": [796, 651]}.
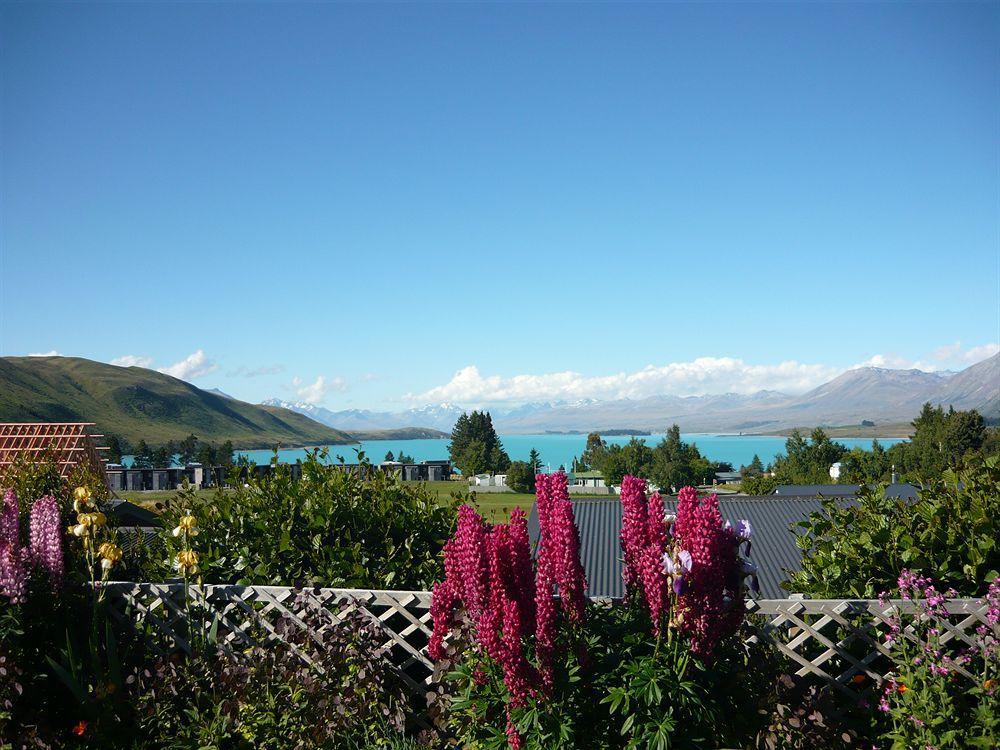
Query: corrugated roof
{"type": "Point", "coordinates": [899, 489]}
{"type": "Point", "coordinates": [774, 549]}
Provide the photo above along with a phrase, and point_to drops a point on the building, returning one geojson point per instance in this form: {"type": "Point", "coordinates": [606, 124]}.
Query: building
{"type": "Point", "coordinates": [774, 549]}
{"type": "Point", "coordinates": [728, 477]}
{"type": "Point", "coordinates": [592, 478]}
{"type": "Point", "coordinates": [899, 490]}
{"type": "Point", "coordinates": [488, 480]}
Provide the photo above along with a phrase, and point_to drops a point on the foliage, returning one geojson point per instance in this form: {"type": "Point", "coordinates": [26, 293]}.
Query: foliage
{"type": "Point", "coordinates": [520, 477]}
{"type": "Point", "coordinates": [754, 469]}
{"type": "Point", "coordinates": [634, 458]}
{"type": "Point", "coordinates": [806, 718]}
{"type": "Point", "coordinates": [941, 439]}
{"type": "Point", "coordinates": [927, 701]}
{"type": "Point", "coordinates": [758, 485]}
{"type": "Point", "coordinates": [676, 464]}
{"type": "Point", "coordinates": [32, 477]}
{"type": "Point", "coordinates": [807, 460]}
{"type": "Point", "coordinates": [952, 532]}
{"type": "Point", "coordinates": [337, 526]}
{"type": "Point", "coordinates": [475, 447]}
{"type": "Point", "coordinates": [664, 669]}
{"type": "Point", "coordinates": [270, 697]}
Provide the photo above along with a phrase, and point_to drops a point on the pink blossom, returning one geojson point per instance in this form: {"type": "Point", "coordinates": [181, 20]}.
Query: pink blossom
{"type": "Point", "coordinates": [13, 567]}
{"type": "Point", "coordinates": [635, 528]}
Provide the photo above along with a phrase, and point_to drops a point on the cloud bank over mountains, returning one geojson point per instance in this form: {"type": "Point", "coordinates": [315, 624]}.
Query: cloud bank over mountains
{"type": "Point", "coordinates": [699, 377]}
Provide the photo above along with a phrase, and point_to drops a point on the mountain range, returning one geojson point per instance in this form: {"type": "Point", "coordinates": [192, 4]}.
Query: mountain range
{"type": "Point", "coordinates": [140, 404]}
{"type": "Point", "coordinates": [875, 394]}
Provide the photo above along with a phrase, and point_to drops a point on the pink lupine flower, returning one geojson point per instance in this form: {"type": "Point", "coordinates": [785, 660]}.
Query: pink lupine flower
{"type": "Point", "coordinates": [45, 535]}
{"type": "Point", "coordinates": [635, 528]}
{"type": "Point", "coordinates": [712, 603]}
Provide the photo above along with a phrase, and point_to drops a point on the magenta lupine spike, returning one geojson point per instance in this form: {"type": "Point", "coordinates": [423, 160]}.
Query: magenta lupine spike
{"type": "Point", "coordinates": [634, 531]}
{"type": "Point", "coordinates": [45, 539]}
{"type": "Point", "coordinates": [444, 599]}
{"type": "Point", "coordinates": [522, 571]}
{"type": "Point", "coordinates": [654, 581]}
{"type": "Point", "coordinates": [560, 541]}
{"type": "Point", "coordinates": [712, 603]}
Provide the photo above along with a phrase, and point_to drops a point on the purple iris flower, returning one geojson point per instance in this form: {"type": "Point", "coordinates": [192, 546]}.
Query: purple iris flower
{"type": "Point", "coordinates": [744, 530]}
{"type": "Point", "coordinates": [678, 569]}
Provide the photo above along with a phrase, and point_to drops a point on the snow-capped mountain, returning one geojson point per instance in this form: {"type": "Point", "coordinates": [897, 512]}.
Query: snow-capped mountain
{"type": "Point", "coordinates": [864, 393]}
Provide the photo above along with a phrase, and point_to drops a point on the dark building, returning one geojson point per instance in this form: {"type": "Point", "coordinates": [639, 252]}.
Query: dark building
{"type": "Point", "coordinates": [897, 490]}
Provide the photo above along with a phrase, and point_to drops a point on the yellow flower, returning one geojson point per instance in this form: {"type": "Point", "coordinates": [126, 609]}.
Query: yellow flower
{"type": "Point", "coordinates": [187, 561]}
{"type": "Point", "coordinates": [187, 523]}
{"type": "Point", "coordinates": [989, 684]}
{"type": "Point", "coordinates": [111, 553]}
{"type": "Point", "coordinates": [82, 494]}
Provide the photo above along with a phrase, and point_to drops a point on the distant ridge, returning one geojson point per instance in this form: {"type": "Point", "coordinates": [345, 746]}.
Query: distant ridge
{"type": "Point", "coordinates": [884, 396]}
{"type": "Point", "coordinates": [141, 404]}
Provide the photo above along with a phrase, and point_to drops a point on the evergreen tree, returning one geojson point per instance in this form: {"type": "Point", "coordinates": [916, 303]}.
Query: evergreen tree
{"type": "Point", "coordinates": [115, 449]}
{"type": "Point", "coordinates": [389, 456]}
{"type": "Point", "coordinates": [520, 477]}
{"type": "Point", "coordinates": [188, 448]}
{"type": "Point", "coordinates": [142, 458]}
{"type": "Point", "coordinates": [475, 447]}
{"type": "Point", "coordinates": [535, 461]}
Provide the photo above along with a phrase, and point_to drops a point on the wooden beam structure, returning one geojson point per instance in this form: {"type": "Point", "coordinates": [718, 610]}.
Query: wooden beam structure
{"type": "Point", "coordinates": [71, 444]}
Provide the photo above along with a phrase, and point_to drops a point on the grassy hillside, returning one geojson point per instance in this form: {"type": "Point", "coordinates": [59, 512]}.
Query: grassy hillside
{"type": "Point", "coordinates": [143, 404]}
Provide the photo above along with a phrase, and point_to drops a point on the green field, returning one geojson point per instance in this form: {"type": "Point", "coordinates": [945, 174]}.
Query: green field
{"type": "Point", "coordinates": [493, 506]}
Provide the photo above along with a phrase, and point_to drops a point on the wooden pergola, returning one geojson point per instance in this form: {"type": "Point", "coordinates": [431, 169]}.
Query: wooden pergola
{"type": "Point", "coordinates": [70, 444]}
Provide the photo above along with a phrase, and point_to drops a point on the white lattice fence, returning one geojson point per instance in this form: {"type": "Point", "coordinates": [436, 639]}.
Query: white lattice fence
{"type": "Point", "coordinates": [829, 641]}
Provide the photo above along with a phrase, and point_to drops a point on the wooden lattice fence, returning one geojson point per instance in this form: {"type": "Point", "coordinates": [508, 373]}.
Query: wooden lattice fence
{"type": "Point", "coordinates": [828, 641]}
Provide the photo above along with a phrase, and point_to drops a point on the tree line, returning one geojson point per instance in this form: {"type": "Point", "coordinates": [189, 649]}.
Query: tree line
{"type": "Point", "coordinates": [188, 450]}
{"type": "Point", "coordinates": [941, 439]}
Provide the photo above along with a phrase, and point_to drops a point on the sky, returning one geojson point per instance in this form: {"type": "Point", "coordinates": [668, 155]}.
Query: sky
{"type": "Point", "coordinates": [387, 205]}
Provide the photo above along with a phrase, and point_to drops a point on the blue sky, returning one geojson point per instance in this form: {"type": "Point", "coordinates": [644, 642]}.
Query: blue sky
{"type": "Point", "coordinates": [352, 203]}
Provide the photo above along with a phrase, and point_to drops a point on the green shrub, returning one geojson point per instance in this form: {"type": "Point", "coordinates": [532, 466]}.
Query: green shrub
{"type": "Point", "coordinates": [333, 527]}
{"type": "Point", "coordinates": [951, 533]}
{"type": "Point", "coordinates": [758, 485]}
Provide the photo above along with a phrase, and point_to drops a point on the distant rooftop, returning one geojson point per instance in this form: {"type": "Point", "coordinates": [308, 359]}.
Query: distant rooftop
{"type": "Point", "coordinates": [774, 548]}
{"type": "Point", "coordinates": [897, 490]}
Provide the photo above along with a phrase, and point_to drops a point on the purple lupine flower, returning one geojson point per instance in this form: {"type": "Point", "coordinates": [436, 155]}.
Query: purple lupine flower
{"type": "Point", "coordinates": [9, 528]}
{"type": "Point", "coordinates": [13, 573]}
{"type": "Point", "coordinates": [45, 539]}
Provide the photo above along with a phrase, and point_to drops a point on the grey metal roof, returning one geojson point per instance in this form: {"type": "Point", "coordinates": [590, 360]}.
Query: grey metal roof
{"type": "Point", "coordinates": [774, 549]}
{"type": "Point", "coordinates": [899, 490]}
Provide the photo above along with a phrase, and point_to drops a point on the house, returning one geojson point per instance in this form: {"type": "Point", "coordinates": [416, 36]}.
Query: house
{"type": "Point", "coordinates": [592, 478]}
{"type": "Point", "coordinates": [488, 480]}
{"type": "Point", "coordinates": [728, 477]}
{"type": "Point", "coordinates": [774, 549]}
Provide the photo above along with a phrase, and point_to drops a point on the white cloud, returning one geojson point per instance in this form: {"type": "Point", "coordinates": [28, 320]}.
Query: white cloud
{"type": "Point", "coordinates": [700, 376]}
{"type": "Point", "coordinates": [132, 360]}
{"type": "Point", "coordinates": [315, 392]}
{"type": "Point", "coordinates": [947, 357]}
{"type": "Point", "coordinates": [193, 366]}
{"type": "Point", "coordinates": [979, 353]}
{"type": "Point", "coordinates": [53, 353]}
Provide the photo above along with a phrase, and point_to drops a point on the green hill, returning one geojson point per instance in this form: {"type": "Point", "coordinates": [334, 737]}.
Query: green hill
{"type": "Point", "coordinates": [137, 403]}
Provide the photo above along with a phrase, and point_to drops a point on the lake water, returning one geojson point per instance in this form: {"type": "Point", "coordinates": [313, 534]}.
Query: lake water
{"type": "Point", "coordinates": [559, 450]}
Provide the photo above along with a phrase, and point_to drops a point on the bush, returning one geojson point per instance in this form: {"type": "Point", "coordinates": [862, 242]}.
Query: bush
{"type": "Point", "coordinates": [927, 701]}
{"type": "Point", "coordinates": [666, 668]}
{"type": "Point", "coordinates": [333, 527]}
{"type": "Point", "coordinates": [269, 697]}
{"type": "Point", "coordinates": [521, 477]}
{"type": "Point", "coordinates": [951, 533]}
{"type": "Point", "coordinates": [761, 485]}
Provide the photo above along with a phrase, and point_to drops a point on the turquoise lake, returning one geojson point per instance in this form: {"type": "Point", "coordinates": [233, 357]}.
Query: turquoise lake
{"type": "Point", "coordinates": [559, 450]}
